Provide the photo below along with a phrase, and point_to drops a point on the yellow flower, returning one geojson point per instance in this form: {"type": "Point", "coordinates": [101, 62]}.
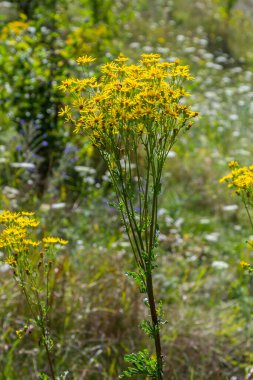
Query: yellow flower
{"type": "Point", "coordinates": [54, 240]}
{"type": "Point", "coordinates": [250, 242]}
{"type": "Point", "coordinates": [8, 216]}
{"type": "Point", "coordinates": [20, 333]}
{"type": "Point", "coordinates": [64, 111]}
{"type": "Point", "coordinates": [31, 242]}
{"type": "Point", "coordinates": [240, 179]}
{"type": "Point", "coordinates": [15, 27]}
{"type": "Point", "coordinates": [85, 60]}
{"type": "Point", "coordinates": [121, 58]}
{"type": "Point", "coordinates": [150, 58]}
{"type": "Point", "coordinates": [24, 221]}
{"type": "Point", "coordinates": [10, 261]}
{"type": "Point", "coordinates": [233, 164]}
{"type": "Point", "coordinates": [244, 264]}
{"type": "Point", "coordinates": [66, 84]}
{"type": "Point", "coordinates": [26, 213]}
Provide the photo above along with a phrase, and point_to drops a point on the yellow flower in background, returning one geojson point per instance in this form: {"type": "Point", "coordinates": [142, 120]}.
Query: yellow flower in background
{"type": "Point", "coordinates": [20, 333]}
{"type": "Point", "coordinates": [240, 179]}
{"type": "Point", "coordinates": [15, 27]}
{"type": "Point", "coordinates": [244, 264]}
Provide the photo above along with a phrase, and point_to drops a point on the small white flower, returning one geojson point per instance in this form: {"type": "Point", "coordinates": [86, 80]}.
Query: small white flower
{"type": "Point", "coordinates": [57, 206]}
{"type": "Point", "coordinates": [204, 221]}
{"type": "Point", "coordinates": [24, 165]}
{"type": "Point", "coordinates": [189, 49]}
{"type": "Point", "coordinates": [244, 88]}
{"type": "Point", "coordinates": [212, 236]}
{"type": "Point", "coordinates": [236, 70]}
{"type": "Point", "coordinates": [230, 207]}
{"type": "Point", "coordinates": [162, 211]}
{"type": "Point", "coordinates": [221, 59]}
{"type": "Point", "coordinates": [125, 244]}
{"type": "Point", "coordinates": [220, 264]}
{"type": "Point", "coordinates": [44, 207]}
{"type": "Point", "coordinates": [168, 220]}
{"type": "Point", "coordinates": [162, 237]}
{"type": "Point", "coordinates": [179, 222]}
{"type": "Point", "coordinates": [84, 169]}
{"type": "Point", "coordinates": [180, 38]}
{"type": "Point", "coordinates": [233, 117]}
{"type": "Point", "coordinates": [134, 45]}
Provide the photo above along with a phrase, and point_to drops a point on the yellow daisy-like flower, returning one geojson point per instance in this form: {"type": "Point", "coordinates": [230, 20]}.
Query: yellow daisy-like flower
{"type": "Point", "coordinates": [64, 111]}
{"type": "Point", "coordinates": [121, 58]}
{"type": "Point", "coordinates": [54, 240]}
{"type": "Point", "coordinates": [85, 60]}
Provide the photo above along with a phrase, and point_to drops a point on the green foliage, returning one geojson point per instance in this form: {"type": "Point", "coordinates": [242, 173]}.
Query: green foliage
{"type": "Point", "coordinates": [142, 364]}
{"type": "Point", "coordinates": [140, 280]}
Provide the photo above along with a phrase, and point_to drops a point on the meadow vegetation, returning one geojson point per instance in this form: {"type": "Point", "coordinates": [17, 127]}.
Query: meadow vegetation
{"type": "Point", "coordinates": [91, 310]}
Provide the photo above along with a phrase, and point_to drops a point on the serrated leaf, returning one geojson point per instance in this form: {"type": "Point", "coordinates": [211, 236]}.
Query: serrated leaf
{"type": "Point", "coordinates": [142, 364]}
{"type": "Point", "coordinates": [139, 279]}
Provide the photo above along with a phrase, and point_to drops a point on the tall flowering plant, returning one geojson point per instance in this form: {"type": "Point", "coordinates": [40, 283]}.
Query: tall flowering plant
{"type": "Point", "coordinates": [133, 114]}
{"type": "Point", "coordinates": [32, 263]}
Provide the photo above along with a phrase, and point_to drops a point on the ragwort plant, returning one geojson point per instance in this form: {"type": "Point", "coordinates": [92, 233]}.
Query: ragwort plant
{"type": "Point", "coordinates": [32, 263]}
{"type": "Point", "coordinates": [240, 180]}
{"type": "Point", "coordinates": [133, 114]}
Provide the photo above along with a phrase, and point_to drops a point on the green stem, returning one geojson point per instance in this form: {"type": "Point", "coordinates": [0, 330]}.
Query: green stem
{"type": "Point", "coordinates": [44, 330]}
{"type": "Point", "coordinates": [121, 195]}
{"type": "Point", "coordinates": [49, 358]}
{"type": "Point", "coordinates": [247, 209]}
{"type": "Point", "coordinates": [41, 326]}
{"type": "Point", "coordinates": [155, 324]}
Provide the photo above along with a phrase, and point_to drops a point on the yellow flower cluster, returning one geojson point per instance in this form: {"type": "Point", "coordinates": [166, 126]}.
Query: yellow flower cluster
{"type": "Point", "coordinates": [240, 179]}
{"type": "Point", "coordinates": [14, 27]}
{"type": "Point", "coordinates": [129, 99]}
{"type": "Point", "coordinates": [15, 235]}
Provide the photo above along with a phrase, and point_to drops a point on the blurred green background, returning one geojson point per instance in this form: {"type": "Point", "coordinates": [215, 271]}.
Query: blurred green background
{"type": "Point", "coordinates": [45, 168]}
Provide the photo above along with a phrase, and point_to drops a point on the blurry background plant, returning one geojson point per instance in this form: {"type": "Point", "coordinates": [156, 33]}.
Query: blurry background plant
{"type": "Point", "coordinates": [37, 52]}
{"type": "Point", "coordinates": [207, 297]}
